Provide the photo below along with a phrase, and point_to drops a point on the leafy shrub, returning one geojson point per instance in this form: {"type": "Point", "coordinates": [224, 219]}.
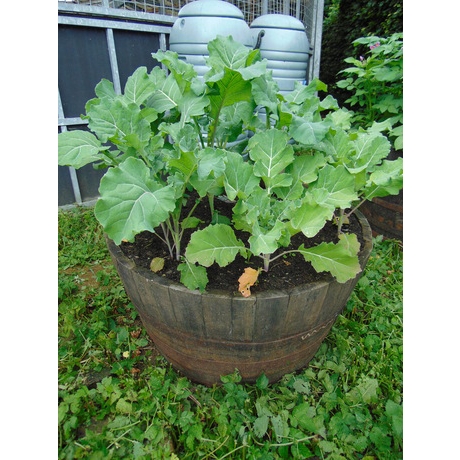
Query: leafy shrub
{"type": "Point", "coordinates": [375, 82]}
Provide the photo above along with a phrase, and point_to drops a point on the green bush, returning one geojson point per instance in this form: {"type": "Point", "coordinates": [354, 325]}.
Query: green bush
{"type": "Point", "coordinates": [375, 82]}
{"type": "Point", "coordinates": [346, 21]}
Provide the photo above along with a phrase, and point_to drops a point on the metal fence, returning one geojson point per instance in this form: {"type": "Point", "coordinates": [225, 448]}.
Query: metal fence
{"type": "Point", "coordinates": [301, 9]}
{"type": "Point", "coordinates": [111, 38]}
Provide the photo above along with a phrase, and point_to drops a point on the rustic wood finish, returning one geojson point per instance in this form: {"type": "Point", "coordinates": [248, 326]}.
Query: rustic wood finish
{"type": "Point", "coordinates": [208, 335]}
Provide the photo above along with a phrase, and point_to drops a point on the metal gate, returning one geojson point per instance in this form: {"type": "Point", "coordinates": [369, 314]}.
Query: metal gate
{"type": "Point", "coordinates": [111, 38]}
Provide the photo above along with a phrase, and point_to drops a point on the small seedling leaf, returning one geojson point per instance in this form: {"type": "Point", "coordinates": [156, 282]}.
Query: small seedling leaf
{"type": "Point", "coordinates": [157, 264]}
{"type": "Point", "coordinates": [193, 276]}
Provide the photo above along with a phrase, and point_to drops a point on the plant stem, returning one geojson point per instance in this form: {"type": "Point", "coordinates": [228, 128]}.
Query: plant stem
{"type": "Point", "coordinates": [199, 132]}
{"type": "Point", "coordinates": [267, 119]}
{"type": "Point", "coordinates": [283, 254]}
{"type": "Point", "coordinates": [340, 221]}
{"type": "Point", "coordinates": [113, 161]}
{"type": "Point", "coordinates": [213, 129]}
{"type": "Point", "coordinates": [266, 259]}
{"type": "Point", "coordinates": [356, 207]}
{"type": "Point", "coordinates": [211, 203]}
{"type": "Point", "coordinates": [177, 236]}
{"type": "Point", "coordinates": [166, 227]}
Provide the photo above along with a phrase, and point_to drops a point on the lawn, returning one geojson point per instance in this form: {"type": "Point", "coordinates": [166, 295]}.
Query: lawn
{"type": "Point", "coordinates": [119, 399]}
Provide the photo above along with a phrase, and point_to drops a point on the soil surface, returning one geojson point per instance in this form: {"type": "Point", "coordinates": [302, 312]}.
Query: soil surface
{"type": "Point", "coordinates": [284, 273]}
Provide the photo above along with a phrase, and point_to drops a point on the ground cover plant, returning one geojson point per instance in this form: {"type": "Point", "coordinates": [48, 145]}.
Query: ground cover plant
{"type": "Point", "coordinates": [119, 399]}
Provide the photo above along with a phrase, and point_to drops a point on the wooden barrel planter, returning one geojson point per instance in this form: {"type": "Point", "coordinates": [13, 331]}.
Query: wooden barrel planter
{"type": "Point", "coordinates": [208, 335]}
{"type": "Point", "coordinates": [385, 216]}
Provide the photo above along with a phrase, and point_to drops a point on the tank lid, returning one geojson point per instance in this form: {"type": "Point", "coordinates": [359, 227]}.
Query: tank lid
{"type": "Point", "coordinates": [219, 8]}
{"type": "Point", "coordinates": [278, 21]}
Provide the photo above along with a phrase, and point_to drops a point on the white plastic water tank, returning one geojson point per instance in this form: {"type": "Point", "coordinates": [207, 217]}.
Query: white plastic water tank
{"type": "Point", "coordinates": [286, 47]}
{"type": "Point", "coordinates": [201, 21]}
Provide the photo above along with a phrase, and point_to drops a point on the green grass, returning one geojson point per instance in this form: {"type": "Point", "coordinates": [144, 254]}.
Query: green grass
{"type": "Point", "coordinates": [119, 399]}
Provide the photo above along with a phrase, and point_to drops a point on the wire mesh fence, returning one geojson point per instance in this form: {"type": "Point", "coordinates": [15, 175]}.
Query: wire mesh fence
{"type": "Point", "coordinates": [300, 9]}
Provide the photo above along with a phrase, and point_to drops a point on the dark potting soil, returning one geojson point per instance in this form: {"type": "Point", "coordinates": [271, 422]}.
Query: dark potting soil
{"type": "Point", "coordinates": [284, 273]}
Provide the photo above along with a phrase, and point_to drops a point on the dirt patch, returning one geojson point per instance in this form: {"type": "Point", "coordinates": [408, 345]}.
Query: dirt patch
{"type": "Point", "coordinates": [87, 274]}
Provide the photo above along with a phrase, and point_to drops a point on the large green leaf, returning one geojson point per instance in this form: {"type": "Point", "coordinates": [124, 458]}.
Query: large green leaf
{"type": "Point", "coordinates": [303, 170]}
{"type": "Point", "coordinates": [310, 218]}
{"type": "Point", "coordinates": [301, 93]}
{"type": "Point", "coordinates": [182, 72]}
{"type": "Point", "coordinates": [105, 89]}
{"type": "Point", "coordinates": [211, 161]}
{"type": "Point", "coordinates": [209, 173]}
{"type": "Point", "coordinates": [166, 96]}
{"type": "Point", "coordinates": [78, 148]}
{"type": "Point", "coordinates": [369, 151]}
{"type": "Point", "coordinates": [239, 178]}
{"type": "Point", "coordinates": [113, 119]}
{"type": "Point", "coordinates": [340, 259]}
{"type": "Point", "coordinates": [139, 86]}
{"type": "Point", "coordinates": [337, 145]}
{"type": "Point", "coordinates": [191, 106]}
{"type": "Point", "coordinates": [387, 179]}
{"type": "Point", "coordinates": [226, 52]}
{"type": "Point", "coordinates": [265, 242]}
{"type": "Point", "coordinates": [255, 70]}
{"type": "Point", "coordinates": [104, 117]}
{"type": "Point", "coordinates": [335, 187]}
{"type": "Point", "coordinates": [230, 89]}
{"type": "Point", "coordinates": [271, 154]}
{"type": "Point", "coordinates": [186, 164]}
{"type": "Point", "coordinates": [131, 201]}
{"type": "Point", "coordinates": [264, 92]}
{"type": "Point", "coordinates": [306, 131]}
{"type": "Point", "coordinates": [214, 244]}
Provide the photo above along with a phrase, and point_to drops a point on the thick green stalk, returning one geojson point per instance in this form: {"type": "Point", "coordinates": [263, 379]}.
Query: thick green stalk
{"type": "Point", "coordinates": [267, 119]}
{"type": "Point", "coordinates": [213, 129]}
{"type": "Point", "coordinates": [199, 132]}
{"type": "Point", "coordinates": [211, 203]}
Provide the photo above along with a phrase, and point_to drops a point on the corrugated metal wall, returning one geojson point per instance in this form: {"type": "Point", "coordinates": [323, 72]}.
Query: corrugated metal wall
{"type": "Point", "coordinates": [110, 39]}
